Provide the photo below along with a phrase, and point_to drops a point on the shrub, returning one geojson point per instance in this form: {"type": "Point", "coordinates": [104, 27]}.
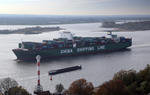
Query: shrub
{"type": "Point", "coordinates": [59, 88]}
{"type": "Point", "coordinates": [17, 91]}
{"type": "Point", "coordinates": [80, 87]}
{"type": "Point", "coordinates": [127, 77]}
{"type": "Point", "coordinates": [112, 87]}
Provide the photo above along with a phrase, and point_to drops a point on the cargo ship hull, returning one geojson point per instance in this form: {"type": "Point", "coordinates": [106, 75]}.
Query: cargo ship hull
{"type": "Point", "coordinates": [24, 54]}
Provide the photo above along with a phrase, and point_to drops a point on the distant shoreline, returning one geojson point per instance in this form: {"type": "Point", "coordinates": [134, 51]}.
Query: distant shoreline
{"type": "Point", "coordinates": [129, 26]}
{"type": "Point", "coordinates": [65, 19]}
{"type": "Point", "coordinates": [31, 30]}
{"type": "Point", "coordinates": [50, 24]}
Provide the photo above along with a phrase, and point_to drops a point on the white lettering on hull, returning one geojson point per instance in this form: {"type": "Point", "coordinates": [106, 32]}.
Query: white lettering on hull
{"type": "Point", "coordinates": [100, 47]}
{"type": "Point", "coordinates": [85, 49]}
{"type": "Point", "coordinates": [66, 51]}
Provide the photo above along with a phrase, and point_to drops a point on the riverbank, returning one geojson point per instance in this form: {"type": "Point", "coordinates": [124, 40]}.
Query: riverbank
{"type": "Point", "coordinates": [31, 30]}
{"type": "Point", "coordinates": [129, 26]}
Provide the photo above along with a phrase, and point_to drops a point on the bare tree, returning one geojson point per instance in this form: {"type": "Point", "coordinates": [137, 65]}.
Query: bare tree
{"type": "Point", "coordinates": [6, 84]}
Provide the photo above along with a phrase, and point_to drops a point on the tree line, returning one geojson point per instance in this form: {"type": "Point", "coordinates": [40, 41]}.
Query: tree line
{"type": "Point", "coordinates": [124, 82]}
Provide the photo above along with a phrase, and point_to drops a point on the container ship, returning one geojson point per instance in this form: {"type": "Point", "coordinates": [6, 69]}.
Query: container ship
{"type": "Point", "coordinates": [70, 45]}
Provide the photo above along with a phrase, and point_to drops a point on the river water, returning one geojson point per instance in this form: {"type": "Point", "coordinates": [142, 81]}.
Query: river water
{"type": "Point", "coordinates": [96, 68]}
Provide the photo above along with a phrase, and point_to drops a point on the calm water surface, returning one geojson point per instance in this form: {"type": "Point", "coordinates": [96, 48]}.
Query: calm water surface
{"type": "Point", "coordinates": [96, 68]}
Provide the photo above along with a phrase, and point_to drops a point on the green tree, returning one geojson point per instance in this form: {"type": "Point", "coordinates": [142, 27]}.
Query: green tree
{"type": "Point", "coordinates": [18, 91]}
{"type": "Point", "coordinates": [137, 83]}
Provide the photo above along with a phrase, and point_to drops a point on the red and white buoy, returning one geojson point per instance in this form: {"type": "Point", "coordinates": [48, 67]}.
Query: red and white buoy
{"type": "Point", "coordinates": [38, 88]}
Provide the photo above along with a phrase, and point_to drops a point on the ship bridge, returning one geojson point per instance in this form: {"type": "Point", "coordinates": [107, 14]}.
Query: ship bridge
{"type": "Point", "coordinates": [66, 34]}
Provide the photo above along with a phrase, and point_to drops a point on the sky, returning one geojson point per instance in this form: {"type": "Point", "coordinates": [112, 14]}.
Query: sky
{"type": "Point", "coordinates": [75, 7]}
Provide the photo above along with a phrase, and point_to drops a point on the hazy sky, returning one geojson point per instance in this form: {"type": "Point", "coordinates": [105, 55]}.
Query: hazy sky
{"type": "Point", "coordinates": [75, 7]}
